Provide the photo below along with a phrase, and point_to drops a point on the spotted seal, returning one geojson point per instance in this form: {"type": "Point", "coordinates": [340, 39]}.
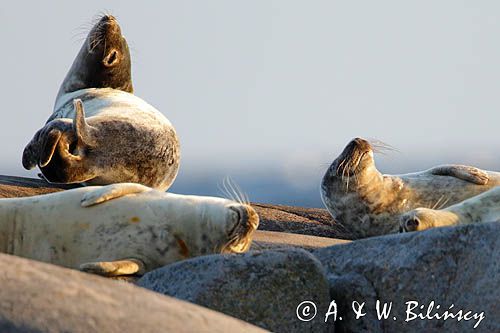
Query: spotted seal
{"type": "Point", "coordinates": [99, 132]}
{"type": "Point", "coordinates": [484, 207]}
{"type": "Point", "coordinates": [122, 229]}
{"type": "Point", "coordinates": [369, 203]}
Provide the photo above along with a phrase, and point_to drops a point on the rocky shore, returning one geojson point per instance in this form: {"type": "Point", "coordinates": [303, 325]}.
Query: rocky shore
{"type": "Point", "coordinates": [299, 257]}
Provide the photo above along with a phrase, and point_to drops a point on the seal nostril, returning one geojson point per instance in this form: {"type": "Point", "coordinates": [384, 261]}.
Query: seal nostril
{"type": "Point", "coordinates": [412, 223]}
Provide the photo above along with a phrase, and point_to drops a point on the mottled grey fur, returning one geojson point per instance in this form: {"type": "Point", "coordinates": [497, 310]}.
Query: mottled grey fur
{"type": "Point", "coordinates": [484, 207]}
{"type": "Point", "coordinates": [369, 203]}
{"type": "Point", "coordinates": [150, 226]}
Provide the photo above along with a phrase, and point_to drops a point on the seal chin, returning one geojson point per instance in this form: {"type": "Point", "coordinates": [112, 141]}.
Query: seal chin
{"type": "Point", "coordinates": [247, 221]}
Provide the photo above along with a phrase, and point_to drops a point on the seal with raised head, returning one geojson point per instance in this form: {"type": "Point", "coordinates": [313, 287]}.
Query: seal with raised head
{"type": "Point", "coordinates": [368, 203]}
{"type": "Point", "coordinates": [99, 132]}
{"type": "Point", "coordinates": [484, 207]}
{"type": "Point", "coordinates": [122, 229]}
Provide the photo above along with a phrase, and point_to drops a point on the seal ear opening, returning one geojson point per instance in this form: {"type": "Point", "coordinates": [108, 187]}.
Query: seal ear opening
{"type": "Point", "coordinates": [80, 126]}
{"type": "Point", "coordinates": [111, 59]}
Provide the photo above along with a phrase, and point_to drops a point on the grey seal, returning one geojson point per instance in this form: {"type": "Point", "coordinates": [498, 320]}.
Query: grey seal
{"type": "Point", "coordinates": [99, 132]}
{"type": "Point", "coordinates": [369, 203]}
{"type": "Point", "coordinates": [122, 229]}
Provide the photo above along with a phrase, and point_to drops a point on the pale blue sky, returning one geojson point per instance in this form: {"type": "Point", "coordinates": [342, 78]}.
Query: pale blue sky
{"type": "Point", "coordinates": [278, 85]}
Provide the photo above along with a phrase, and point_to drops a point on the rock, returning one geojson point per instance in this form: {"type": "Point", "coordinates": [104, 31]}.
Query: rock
{"type": "Point", "coordinates": [299, 220]}
{"type": "Point", "coordinates": [11, 187]}
{"type": "Point", "coordinates": [38, 297]}
{"type": "Point", "coordinates": [262, 287]}
{"type": "Point", "coordinates": [264, 240]}
{"type": "Point", "coordinates": [456, 265]}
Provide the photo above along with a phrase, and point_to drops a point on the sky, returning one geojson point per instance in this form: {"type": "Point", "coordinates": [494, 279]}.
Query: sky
{"type": "Point", "coordinates": [269, 92]}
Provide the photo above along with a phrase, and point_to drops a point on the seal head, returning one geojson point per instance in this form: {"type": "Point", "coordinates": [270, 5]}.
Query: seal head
{"type": "Point", "coordinates": [103, 60]}
{"type": "Point", "coordinates": [354, 168]}
{"type": "Point", "coordinates": [419, 219]}
{"type": "Point", "coordinates": [241, 231]}
{"type": "Point", "coordinates": [356, 194]}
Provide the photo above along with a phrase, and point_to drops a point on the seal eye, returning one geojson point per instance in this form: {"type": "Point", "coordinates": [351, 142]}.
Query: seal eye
{"type": "Point", "coordinates": [236, 226]}
{"type": "Point", "coordinates": [111, 59]}
{"type": "Point", "coordinates": [238, 214]}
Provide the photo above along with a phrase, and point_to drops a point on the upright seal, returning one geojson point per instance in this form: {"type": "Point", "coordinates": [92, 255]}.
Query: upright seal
{"type": "Point", "coordinates": [99, 132]}
{"type": "Point", "coordinates": [122, 229]}
{"type": "Point", "coordinates": [369, 203]}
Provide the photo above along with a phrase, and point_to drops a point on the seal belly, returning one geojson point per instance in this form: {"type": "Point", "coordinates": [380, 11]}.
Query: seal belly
{"type": "Point", "coordinates": [114, 137]}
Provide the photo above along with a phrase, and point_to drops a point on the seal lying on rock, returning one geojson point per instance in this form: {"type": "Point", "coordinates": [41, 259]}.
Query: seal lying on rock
{"type": "Point", "coordinates": [484, 207]}
{"type": "Point", "coordinates": [122, 229]}
{"type": "Point", "coordinates": [369, 203]}
{"type": "Point", "coordinates": [99, 133]}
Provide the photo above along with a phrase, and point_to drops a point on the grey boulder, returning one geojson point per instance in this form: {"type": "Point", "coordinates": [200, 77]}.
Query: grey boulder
{"type": "Point", "coordinates": [38, 297]}
{"type": "Point", "coordinates": [456, 265]}
{"type": "Point", "coordinates": [263, 288]}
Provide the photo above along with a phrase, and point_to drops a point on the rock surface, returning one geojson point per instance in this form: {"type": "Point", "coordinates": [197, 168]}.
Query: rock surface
{"type": "Point", "coordinates": [263, 288]}
{"type": "Point", "coordinates": [12, 187]}
{"type": "Point", "coordinates": [457, 265]}
{"type": "Point", "coordinates": [38, 297]}
{"type": "Point", "coordinates": [299, 220]}
{"type": "Point", "coordinates": [264, 240]}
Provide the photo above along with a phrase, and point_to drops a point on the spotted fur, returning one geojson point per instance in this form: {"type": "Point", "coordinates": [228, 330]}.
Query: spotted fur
{"type": "Point", "coordinates": [150, 227]}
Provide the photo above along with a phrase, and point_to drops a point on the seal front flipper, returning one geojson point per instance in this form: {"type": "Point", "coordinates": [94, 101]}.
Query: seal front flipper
{"type": "Point", "coordinates": [41, 149]}
{"type": "Point", "coordinates": [114, 268]}
{"type": "Point", "coordinates": [110, 192]}
{"type": "Point", "coordinates": [464, 172]}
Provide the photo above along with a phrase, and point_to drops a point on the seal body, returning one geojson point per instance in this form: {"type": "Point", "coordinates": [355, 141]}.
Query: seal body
{"type": "Point", "coordinates": [104, 229]}
{"type": "Point", "coordinates": [484, 207]}
{"type": "Point", "coordinates": [369, 203]}
{"type": "Point", "coordinates": [116, 137]}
